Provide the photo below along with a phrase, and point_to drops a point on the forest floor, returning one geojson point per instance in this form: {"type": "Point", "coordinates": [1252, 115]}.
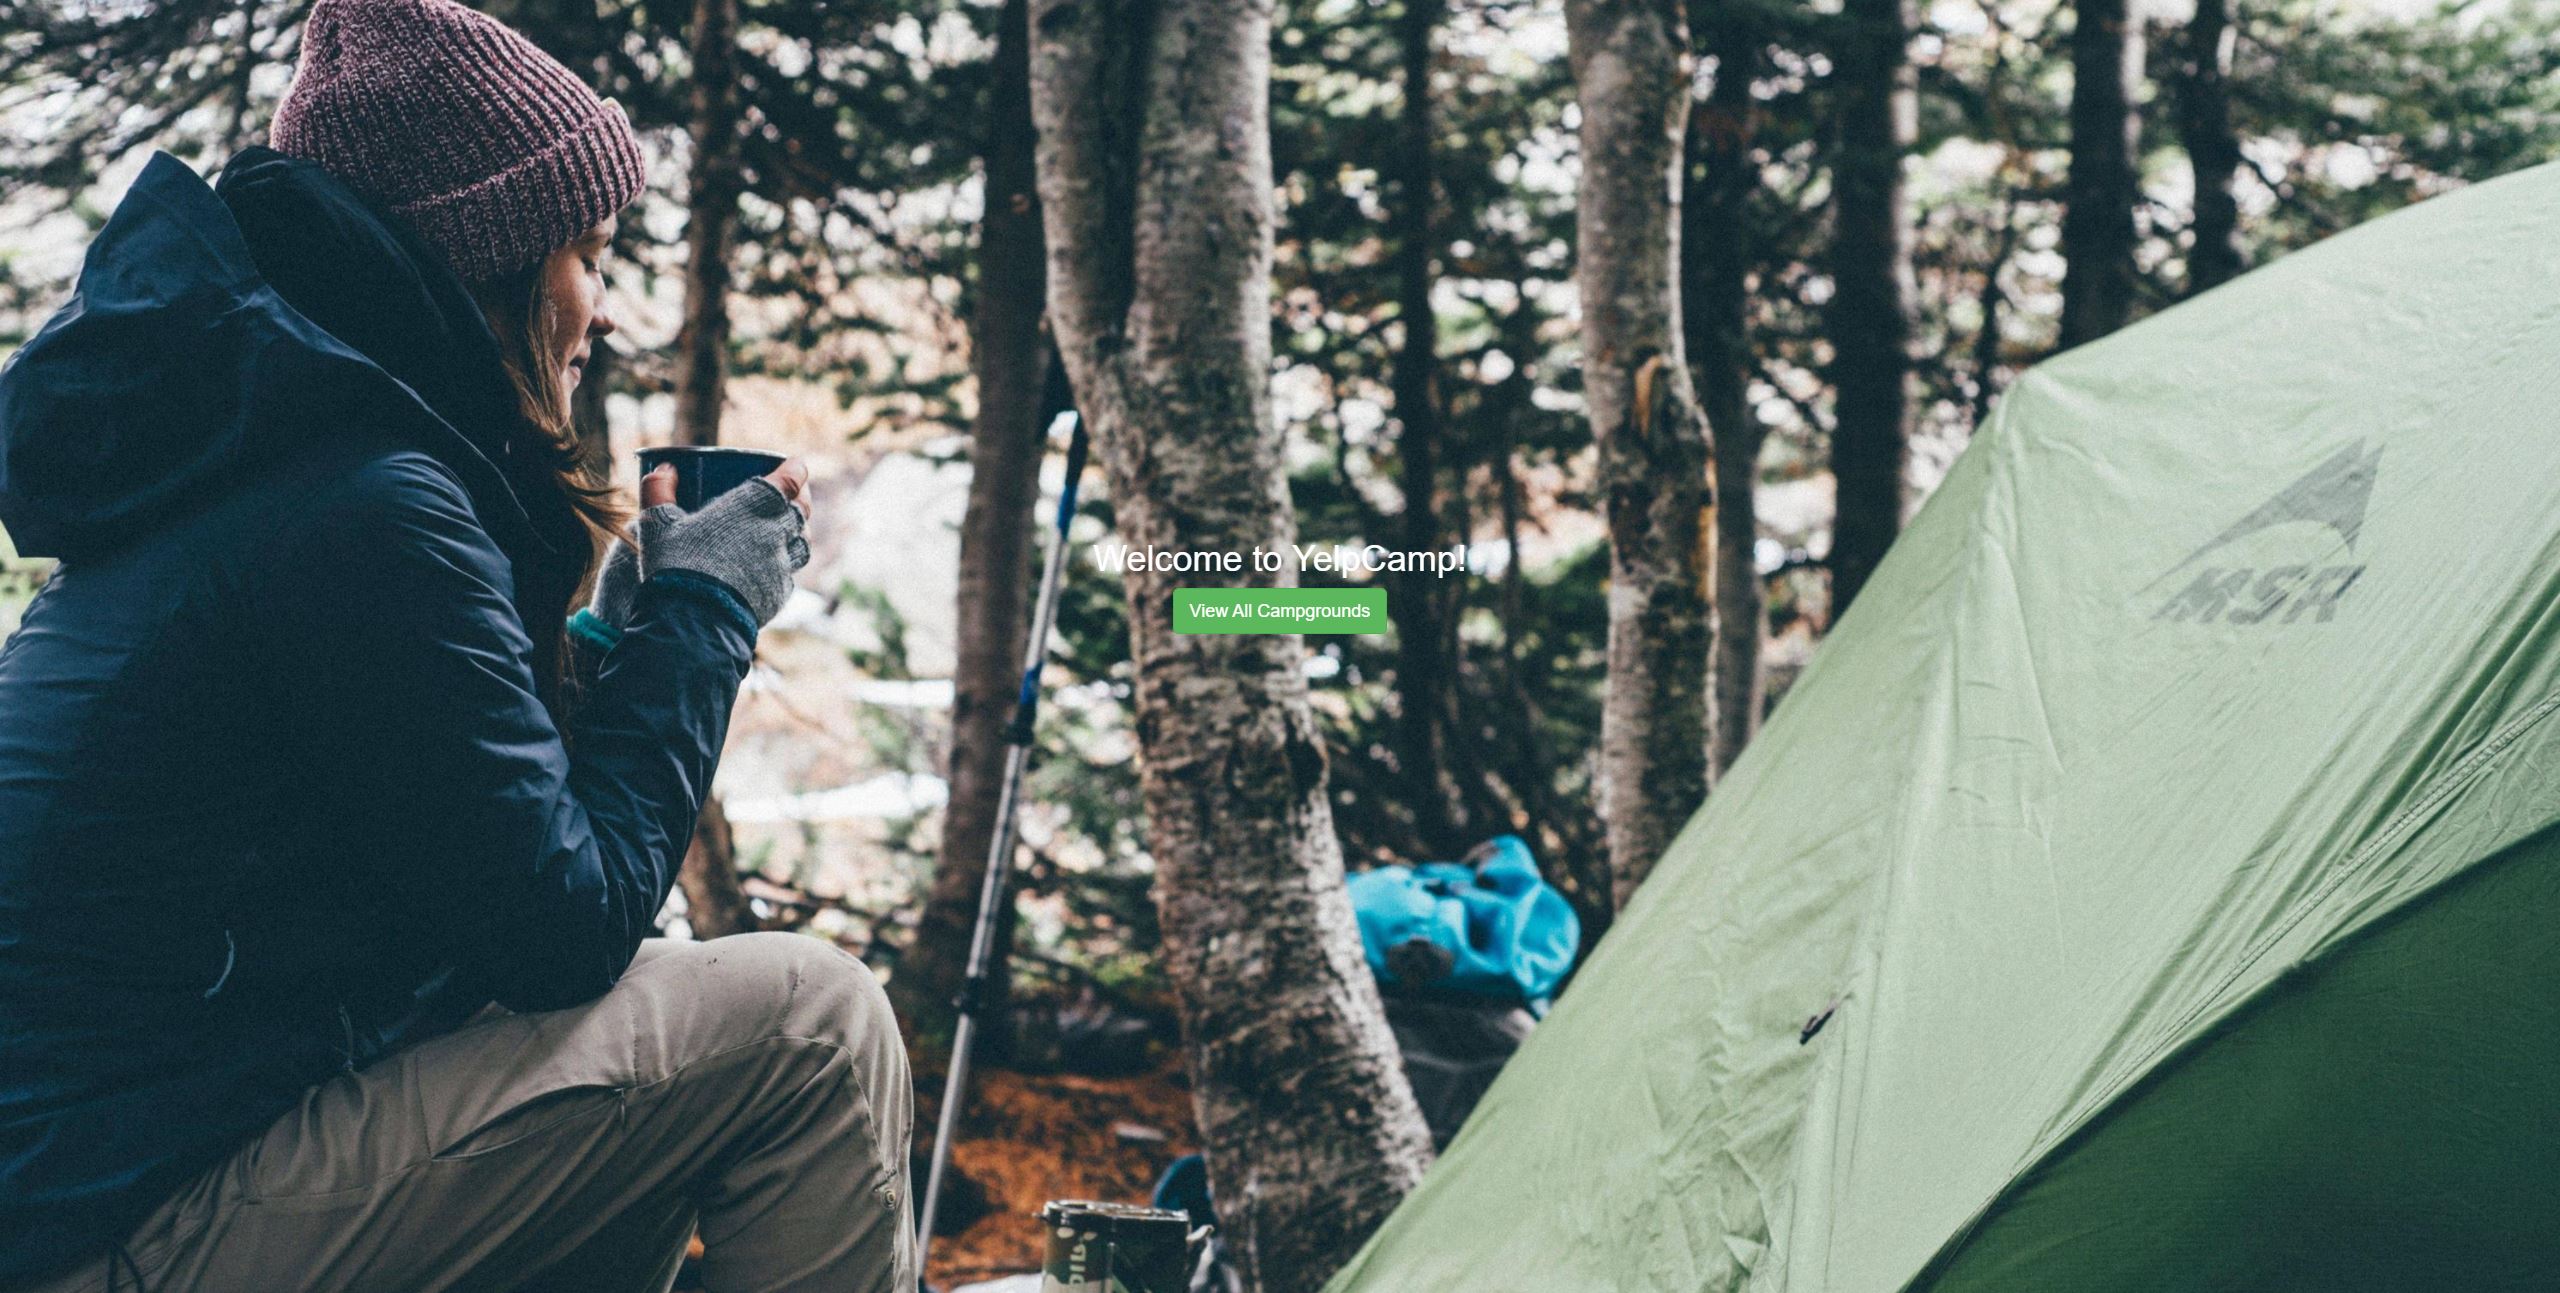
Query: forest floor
{"type": "Point", "coordinates": [1033, 1138]}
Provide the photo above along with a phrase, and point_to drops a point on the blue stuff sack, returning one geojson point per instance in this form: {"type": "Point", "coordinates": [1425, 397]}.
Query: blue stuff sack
{"type": "Point", "coordinates": [1494, 929]}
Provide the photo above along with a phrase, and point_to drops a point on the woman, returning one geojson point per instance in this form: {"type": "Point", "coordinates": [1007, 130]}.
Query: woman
{"type": "Point", "coordinates": [321, 959]}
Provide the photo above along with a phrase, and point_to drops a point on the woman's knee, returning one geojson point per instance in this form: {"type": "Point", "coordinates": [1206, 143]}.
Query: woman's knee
{"type": "Point", "coordinates": [805, 986]}
{"type": "Point", "coordinates": [826, 996]}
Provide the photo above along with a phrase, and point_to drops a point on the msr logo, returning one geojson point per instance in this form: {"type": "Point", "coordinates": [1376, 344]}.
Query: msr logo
{"type": "Point", "coordinates": [2331, 496]}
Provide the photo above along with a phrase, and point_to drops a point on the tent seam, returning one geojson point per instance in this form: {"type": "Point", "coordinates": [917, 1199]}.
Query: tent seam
{"type": "Point", "coordinates": [2393, 833]}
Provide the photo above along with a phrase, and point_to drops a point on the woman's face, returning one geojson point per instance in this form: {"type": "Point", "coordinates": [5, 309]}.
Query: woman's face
{"type": "Point", "coordinates": [573, 283]}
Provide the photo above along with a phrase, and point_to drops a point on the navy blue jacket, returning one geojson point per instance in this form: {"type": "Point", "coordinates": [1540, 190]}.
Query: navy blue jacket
{"type": "Point", "coordinates": [280, 788]}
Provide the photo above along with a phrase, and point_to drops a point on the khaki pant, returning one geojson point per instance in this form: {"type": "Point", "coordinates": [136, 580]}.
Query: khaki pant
{"type": "Point", "coordinates": [753, 1085]}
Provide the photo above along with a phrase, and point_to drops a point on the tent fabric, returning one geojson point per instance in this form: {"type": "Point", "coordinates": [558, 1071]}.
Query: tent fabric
{"type": "Point", "coordinates": [2150, 883]}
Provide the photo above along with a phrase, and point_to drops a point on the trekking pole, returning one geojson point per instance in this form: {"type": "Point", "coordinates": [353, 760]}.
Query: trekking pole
{"type": "Point", "coordinates": [991, 894]}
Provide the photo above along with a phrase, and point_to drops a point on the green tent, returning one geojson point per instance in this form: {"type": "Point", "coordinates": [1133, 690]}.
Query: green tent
{"type": "Point", "coordinates": [2153, 884]}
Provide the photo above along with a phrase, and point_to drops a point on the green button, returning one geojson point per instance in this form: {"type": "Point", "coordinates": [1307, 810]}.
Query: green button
{"type": "Point", "coordinates": [1280, 610]}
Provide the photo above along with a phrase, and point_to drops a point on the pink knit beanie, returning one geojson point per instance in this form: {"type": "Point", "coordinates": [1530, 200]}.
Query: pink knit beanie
{"type": "Point", "coordinates": [488, 146]}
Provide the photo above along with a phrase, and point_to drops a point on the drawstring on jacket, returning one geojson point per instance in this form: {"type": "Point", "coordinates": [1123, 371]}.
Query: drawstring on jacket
{"type": "Point", "coordinates": [230, 958]}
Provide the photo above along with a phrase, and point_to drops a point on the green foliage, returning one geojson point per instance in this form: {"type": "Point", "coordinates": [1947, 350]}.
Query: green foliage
{"type": "Point", "coordinates": [862, 120]}
{"type": "Point", "coordinates": [860, 124]}
{"type": "Point", "coordinates": [83, 85]}
{"type": "Point", "coordinates": [2358, 117]}
{"type": "Point", "coordinates": [1500, 248]}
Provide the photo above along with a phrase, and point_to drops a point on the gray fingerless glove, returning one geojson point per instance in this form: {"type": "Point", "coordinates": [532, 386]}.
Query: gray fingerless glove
{"type": "Point", "coordinates": [750, 539]}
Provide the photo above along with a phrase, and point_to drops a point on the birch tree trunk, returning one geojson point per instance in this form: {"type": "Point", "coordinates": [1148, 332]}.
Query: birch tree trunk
{"type": "Point", "coordinates": [2100, 192]}
{"type": "Point", "coordinates": [2213, 151]}
{"type": "Point", "coordinates": [1155, 178]}
{"type": "Point", "coordinates": [1626, 57]}
{"type": "Point", "coordinates": [1012, 364]}
{"type": "Point", "coordinates": [1869, 317]}
{"type": "Point", "coordinates": [1717, 238]}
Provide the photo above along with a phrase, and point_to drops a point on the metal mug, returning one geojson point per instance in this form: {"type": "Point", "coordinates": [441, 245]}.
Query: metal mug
{"type": "Point", "coordinates": [705, 472]}
{"type": "Point", "coordinates": [1116, 1248]}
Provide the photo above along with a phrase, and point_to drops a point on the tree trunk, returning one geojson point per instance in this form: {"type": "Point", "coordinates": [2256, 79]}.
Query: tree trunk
{"type": "Point", "coordinates": [715, 905]}
{"type": "Point", "coordinates": [1626, 60]}
{"type": "Point", "coordinates": [2100, 193]}
{"type": "Point", "coordinates": [1155, 178]}
{"type": "Point", "coordinates": [1990, 299]}
{"type": "Point", "coordinates": [711, 226]}
{"type": "Point", "coordinates": [1421, 605]}
{"type": "Point", "coordinates": [1719, 239]}
{"type": "Point", "coordinates": [2213, 151]}
{"type": "Point", "coordinates": [1869, 317]}
{"type": "Point", "coordinates": [1012, 363]}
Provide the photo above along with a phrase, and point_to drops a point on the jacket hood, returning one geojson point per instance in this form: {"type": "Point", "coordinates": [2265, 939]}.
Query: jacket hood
{"type": "Point", "coordinates": [212, 331]}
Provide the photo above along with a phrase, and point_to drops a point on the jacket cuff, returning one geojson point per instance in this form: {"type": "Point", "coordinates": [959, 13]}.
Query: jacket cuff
{"type": "Point", "coordinates": [592, 627]}
{"type": "Point", "coordinates": [705, 586]}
